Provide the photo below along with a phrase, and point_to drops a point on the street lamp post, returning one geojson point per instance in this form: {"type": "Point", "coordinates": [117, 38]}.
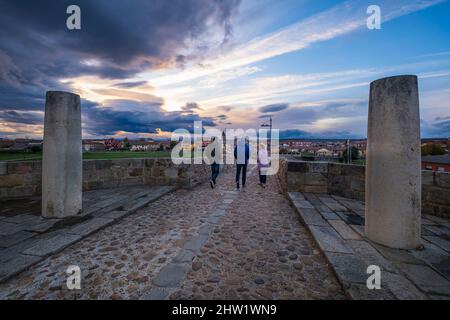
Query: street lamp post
{"type": "Point", "coordinates": [265, 125]}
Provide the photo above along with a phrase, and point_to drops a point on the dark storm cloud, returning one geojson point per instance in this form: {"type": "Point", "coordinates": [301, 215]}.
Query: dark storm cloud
{"type": "Point", "coordinates": [122, 34]}
{"type": "Point", "coordinates": [301, 134]}
{"type": "Point", "coordinates": [135, 117]}
{"type": "Point", "coordinates": [190, 107]}
{"type": "Point", "coordinates": [274, 107]}
{"type": "Point", "coordinates": [117, 40]}
{"type": "Point", "coordinates": [439, 128]}
{"type": "Point", "coordinates": [132, 84]}
{"type": "Point", "coordinates": [18, 117]}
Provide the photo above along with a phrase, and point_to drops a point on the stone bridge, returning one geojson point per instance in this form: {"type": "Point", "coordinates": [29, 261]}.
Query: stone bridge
{"type": "Point", "coordinates": [160, 232]}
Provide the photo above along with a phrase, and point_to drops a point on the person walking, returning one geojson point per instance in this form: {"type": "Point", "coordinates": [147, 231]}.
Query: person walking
{"type": "Point", "coordinates": [263, 164]}
{"type": "Point", "coordinates": [215, 167]}
{"type": "Point", "coordinates": [242, 155]}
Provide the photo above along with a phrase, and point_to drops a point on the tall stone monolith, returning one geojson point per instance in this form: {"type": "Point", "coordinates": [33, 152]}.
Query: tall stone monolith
{"type": "Point", "coordinates": [393, 172]}
{"type": "Point", "coordinates": [62, 158]}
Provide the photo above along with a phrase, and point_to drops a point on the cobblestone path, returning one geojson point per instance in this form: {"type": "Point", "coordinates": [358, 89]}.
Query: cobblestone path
{"type": "Point", "coordinates": [244, 245]}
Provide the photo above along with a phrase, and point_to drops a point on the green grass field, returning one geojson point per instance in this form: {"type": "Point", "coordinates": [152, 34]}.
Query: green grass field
{"type": "Point", "coordinates": [22, 156]}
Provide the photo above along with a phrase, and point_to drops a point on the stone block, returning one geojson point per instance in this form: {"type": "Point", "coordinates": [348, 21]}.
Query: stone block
{"type": "Point", "coordinates": [353, 170]}
{"type": "Point", "coordinates": [10, 240]}
{"type": "Point", "coordinates": [89, 226]}
{"type": "Point", "coordinates": [156, 294]}
{"type": "Point", "coordinates": [337, 183]}
{"type": "Point", "coordinates": [89, 165]}
{"type": "Point", "coordinates": [319, 167]}
{"type": "Point", "coordinates": [103, 164]}
{"type": "Point", "coordinates": [171, 275]}
{"type": "Point", "coordinates": [427, 178]}
{"type": "Point", "coordinates": [439, 241]}
{"type": "Point", "coordinates": [334, 169]}
{"type": "Point", "coordinates": [361, 292]}
{"type": "Point", "coordinates": [397, 255]}
{"type": "Point", "coordinates": [427, 279]}
{"type": "Point", "coordinates": [315, 179]}
{"type": "Point", "coordinates": [114, 215]}
{"type": "Point", "coordinates": [16, 265]}
{"type": "Point", "coordinates": [329, 240]}
{"type": "Point", "coordinates": [20, 167]}
{"type": "Point", "coordinates": [297, 166]}
{"type": "Point", "coordinates": [185, 256]}
{"type": "Point", "coordinates": [334, 205]}
{"type": "Point", "coordinates": [3, 168]}
{"type": "Point", "coordinates": [7, 229]}
{"type": "Point", "coordinates": [358, 185]}
{"type": "Point", "coordinates": [11, 180]}
{"type": "Point", "coordinates": [135, 172]}
{"type": "Point", "coordinates": [442, 180]}
{"type": "Point", "coordinates": [348, 267]}
{"type": "Point", "coordinates": [329, 215]}
{"type": "Point", "coordinates": [371, 256]}
{"type": "Point", "coordinates": [196, 242]}
{"type": "Point", "coordinates": [303, 204]}
{"type": "Point", "coordinates": [14, 250]}
{"type": "Point", "coordinates": [344, 230]}
{"type": "Point", "coordinates": [315, 189]}
{"type": "Point", "coordinates": [401, 287]}
{"type": "Point", "coordinates": [311, 217]}
{"type": "Point", "coordinates": [206, 229]}
{"type": "Point", "coordinates": [296, 196]}
{"type": "Point", "coordinates": [44, 247]}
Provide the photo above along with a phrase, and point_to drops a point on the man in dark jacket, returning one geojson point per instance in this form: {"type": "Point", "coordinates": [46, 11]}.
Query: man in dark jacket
{"type": "Point", "coordinates": [215, 167]}
{"type": "Point", "coordinates": [241, 154]}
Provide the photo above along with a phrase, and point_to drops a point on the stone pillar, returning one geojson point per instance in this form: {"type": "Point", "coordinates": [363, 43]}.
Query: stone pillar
{"type": "Point", "coordinates": [393, 171]}
{"type": "Point", "coordinates": [62, 156]}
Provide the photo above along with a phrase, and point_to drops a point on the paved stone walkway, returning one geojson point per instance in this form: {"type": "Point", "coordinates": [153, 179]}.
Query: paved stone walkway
{"type": "Point", "coordinates": [26, 238]}
{"type": "Point", "coordinates": [337, 225]}
{"type": "Point", "coordinates": [199, 244]}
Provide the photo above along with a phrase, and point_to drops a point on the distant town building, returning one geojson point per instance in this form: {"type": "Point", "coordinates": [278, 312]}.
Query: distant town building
{"type": "Point", "coordinates": [436, 163]}
{"type": "Point", "coordinates": [24, 145]}
{"type": "Point", "coordinates": [92, 146]}
{"type": "Point", "coordinates": [144, 145]}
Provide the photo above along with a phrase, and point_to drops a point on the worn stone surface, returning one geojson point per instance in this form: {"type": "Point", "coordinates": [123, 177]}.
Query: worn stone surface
{"type": "Point", "coordinates": [8, 229]}
{"type": "Point", "coordinates": [427, 279]}
{"type": "Point", "coordinates": [171, 275]}
{"type": "Point", "coordinates": [260, 251]}
{"type": "Point", "coordinates": [312, 217]}
{"type": "Point", "coordinates": [397, 281]}
{"type": "Point", "coordinates": [360, 292]}
{"type": "Point", "coordinates": [344, 230]}
{"type": "Point", "coordinates": [371, 256]}
{"type": "Point", "coordinates": [401, 287]}
{"type": "Point", "coordinates": [156, 294]}
{"type": "Point", "coordinates": [440, 242]}
{"type": "Point", "coordinates": [10, 240]}
{"type": "Point", "coordinates": [89, 226]}
{"type": "Point", "coordinates": [15, 264]}
{"type": "Point", "coordinates": [329, 240]}
{"type": "Point", "coordinates": [349, 267]}
{"type": "Point", "coordinates": [51, 245]}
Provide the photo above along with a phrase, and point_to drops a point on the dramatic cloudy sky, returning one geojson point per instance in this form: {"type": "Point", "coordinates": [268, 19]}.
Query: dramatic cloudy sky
{"type": "Point", "coordinates": [147, 67]}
